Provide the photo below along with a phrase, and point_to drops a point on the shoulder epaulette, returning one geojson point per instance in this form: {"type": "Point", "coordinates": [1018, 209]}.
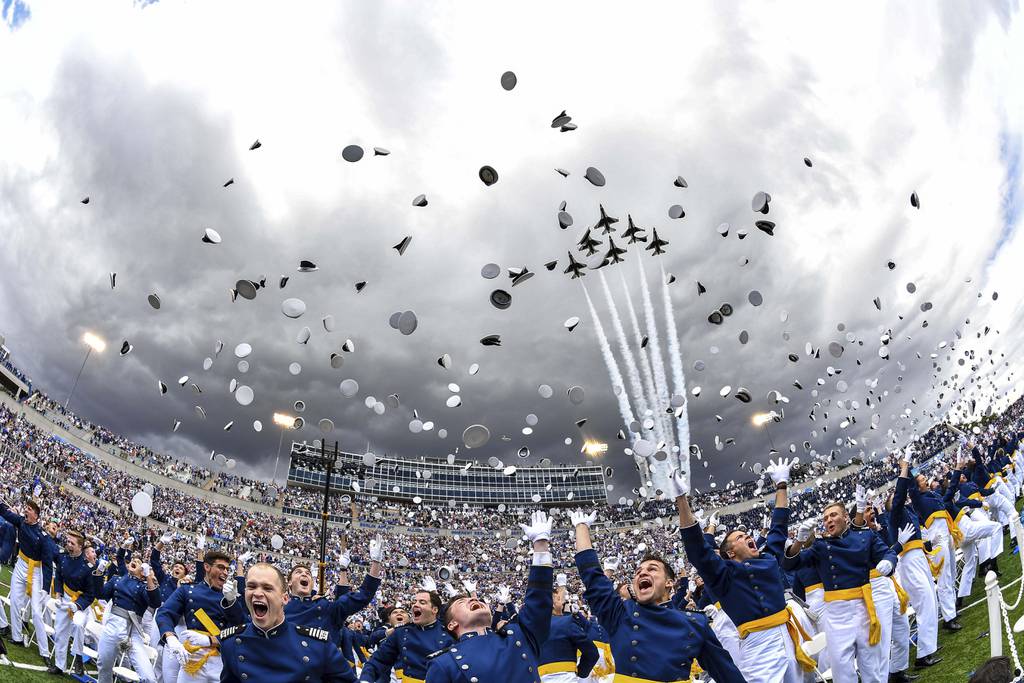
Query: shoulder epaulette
{"type": "Point", "coordinates": [434, 655]}
{"type": "Point", "coordinates": [230, 631]}
{"type": "Point", "coordinates": [318, 633]}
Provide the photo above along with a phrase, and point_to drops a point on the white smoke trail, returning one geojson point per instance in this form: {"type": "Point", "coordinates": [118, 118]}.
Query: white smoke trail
{"type": "Point", "coordinates": [660, 382]}
{"type": "Point", "coordinates": [609, 360]}
{"type": "Point", "coordinates": [626, 352]}
{"type": "Point", "coordinates": [678, 381]}
{"type": "Point", "coordinates": [662, 426]}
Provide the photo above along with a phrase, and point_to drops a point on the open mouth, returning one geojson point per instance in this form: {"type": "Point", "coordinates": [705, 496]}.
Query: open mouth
{"type": "Point", "coordinates": [259, 608]}
{"type": "Point", "coordinates": [474, 606]}
{"type": "Point", "coordinates": [303, 584]}
{"type": "Point", "coordinates": [416, 612]}
{"type": "Point", "coordinates": [751, 544]}
{"type": "Point", "coordinates": [644, 584]}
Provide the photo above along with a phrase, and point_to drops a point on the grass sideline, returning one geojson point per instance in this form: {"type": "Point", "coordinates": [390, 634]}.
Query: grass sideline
{"type": "Point", "coordinates": [961, 652]}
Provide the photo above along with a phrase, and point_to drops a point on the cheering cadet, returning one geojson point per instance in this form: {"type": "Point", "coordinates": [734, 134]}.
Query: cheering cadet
{"type": "Point", "coordinates": [568, 635]}
{"type": "Point", "coordinates": [651, 640]}
{"type": "Point", "coordinates": [407, 646]}
{"type": "Point", "coordinates": [130, 596]}
{"type": "Point", "coordinates": [167, 584]}
{"type": "Point", "coordinates": [750, 587]}
{"type": "Point", "coordinates": [942, 532]}
{"type": "Point", "coordinates": [30, 580]}
{"type": "Point", "coordinates": [914, 569]}
{"type": "Point", "coordinates": [481, 655]}
{"type": "Point", "coordinates": [195, 614]}
{"type": "Point", "coordinates": [271, 649]}
{"type": "Point", "coordinates": [844, 559]}
{"type": "Point", "coordinates": [979, 532]}
{"type": "Point", "coordinates": [73, 584]}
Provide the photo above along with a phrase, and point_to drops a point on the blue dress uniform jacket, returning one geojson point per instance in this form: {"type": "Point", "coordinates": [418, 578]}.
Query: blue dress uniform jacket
{"type": "Point", "coordinates": [166, 583]}
{"type": "Point", "coordinates": [844, 561]}
{"type": "Point", "coordinates": [653, 642]}
{"type": "Point", "coordinates": [900, 515]}
{"type": "Point", "coordinates": [406, 649]}
{"type": "Point", "coordinates": [805, 579]}
{"type": "Point", "coordinates": [199, 606]}
{"type": "Point", "coordinates": [748, 590]}
{"type": "Point", "coordinates": [510, 654]}
{"type": "Point", "coordinates": [127, 592]}
{"type": "Point", "coordinates": [287, 653]}
{"type": "Point", "coordinates": [74, 577]}
{"type": "Point", "coordinates": [33, 542]}
{"type": "Point", "coordinates": [8, 534]}
{"type": "Point", "coordinates": [330, 615]}
{"type": "Point", "coordinates": [567, 635]}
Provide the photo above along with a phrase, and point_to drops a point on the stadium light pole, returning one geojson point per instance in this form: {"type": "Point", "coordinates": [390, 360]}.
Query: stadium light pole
{"type": "Point", "coordinates": [762, 419]}
{"type": "Point", "coordinates": [92, 343]}
{"type": "Point", "coordinates": [285, 422]}
{"type": "Point", "coordinates": [325, 462]}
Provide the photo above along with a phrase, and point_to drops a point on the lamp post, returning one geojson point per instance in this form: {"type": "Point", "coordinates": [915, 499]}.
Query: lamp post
{"type": "Point", "coordinates": [93, 343]}
{"type": "Point", "coordinates": [762, 419]}
{"type": "Point", "coordinates": [325, 462]}
{"type": "Point", "coordinates": [284, 422]}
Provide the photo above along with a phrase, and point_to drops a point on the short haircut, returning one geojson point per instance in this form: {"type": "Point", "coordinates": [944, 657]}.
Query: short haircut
{"type": "Point", "coordinates": [277, 572]}
{"type": "Point", "coordinates": [833, 504]}
{"type": "Point", "coordinates": [654, 557]}
{"type": "Point", "coordinates": [75, 533]}
{"type": "Point", "coordinates": [435, 599]}
{"type": "Point", "coordinates": [212, 556]}
{"type": "Point", "coordinates": [32, 504]}
{"type": "Point", "coordinates": [297, 567]}
{"type": "Point", "coordinates": [447, 608]}
{"type": "Point", "coordinates": [723, 547]}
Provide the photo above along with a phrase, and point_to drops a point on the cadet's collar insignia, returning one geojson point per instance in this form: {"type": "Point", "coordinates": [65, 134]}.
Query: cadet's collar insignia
{"type": "Point", "coordinates": [230, 631]}
{"type": "Point", "coordinates": [318, 633]}
{"type": "Point", "coordinates": [473, 634]}
{"type": "Point", "coordinates": [270, 632]}
{"type": "Point", "coordinates": [434, 655]}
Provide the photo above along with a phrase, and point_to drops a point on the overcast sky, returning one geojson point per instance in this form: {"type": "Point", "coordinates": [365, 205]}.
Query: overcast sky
{"type": "Point", "coordinates": [149, 110]}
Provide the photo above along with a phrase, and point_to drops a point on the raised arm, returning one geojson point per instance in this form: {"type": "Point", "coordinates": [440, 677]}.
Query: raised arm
{"type": "Point", "coordinates": [535, 617]}
{"type": "Point", "coordinates": [600, 593]}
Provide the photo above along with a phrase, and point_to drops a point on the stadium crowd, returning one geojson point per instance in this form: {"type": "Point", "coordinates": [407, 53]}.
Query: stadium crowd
{"type": "Point", "coordinates": [157, 595]}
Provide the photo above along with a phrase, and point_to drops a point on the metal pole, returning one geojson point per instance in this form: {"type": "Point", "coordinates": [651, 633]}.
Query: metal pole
{"type": "Point", "coordinates": [280, 443]}
{"type": "Point", "coordinates": [77, 377]}
{"type": "Point", "coordinates": [770, 442]}
{"type": "Point", "coordinates": [329, 462]}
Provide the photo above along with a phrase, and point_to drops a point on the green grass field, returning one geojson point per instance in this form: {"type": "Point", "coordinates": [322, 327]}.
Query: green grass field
{"type": "Point", "coordinates": [961, 652]}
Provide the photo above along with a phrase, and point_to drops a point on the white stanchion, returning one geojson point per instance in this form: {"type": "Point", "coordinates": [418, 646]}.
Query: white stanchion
{"type": "Point", "coordinates": [993, 598]}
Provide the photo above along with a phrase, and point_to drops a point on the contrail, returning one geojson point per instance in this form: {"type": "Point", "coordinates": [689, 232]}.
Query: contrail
{"type": "Point", "coordinates": [662, 425]}
{"type": "Point", "coordinates": [627, 355]}
{"type": "Point", "coordinates": [678, 381]}
{"type": "Point", "coordinates": [660, 382]}
{"type": "Point", "coordinates": [609, 360]}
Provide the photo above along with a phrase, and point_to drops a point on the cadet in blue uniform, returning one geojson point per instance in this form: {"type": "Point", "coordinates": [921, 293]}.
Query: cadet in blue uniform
{"type": "Point", "coordinates": [651, 640]}
{"type": "Point", "coordinates": [8, 536]}
{"type": "Point", "coordinates": [751, 588]}
{"type": "Point", "coordinates": [129, 595]}
{"type": "Point", "coordinates": [73, 586]}
{"type": "Point", "coordinates": [981, 538]}
{"type": "Point", "coordinates": [844, 559]}
{"type": "Point", "coordinates": [192, 618]}
{"type": "Point", "coordinates": [321, 611]}
{"type": "Point", "coordinates": [271, 649]}
{"type": "Point", "coordinates": [167, 584]}
{"type": "Point", "coordinates": [481, 655]}
{"type": "Point", "coordinates": [406, 648]}
{"type": "Point", "coordinates": [30, 580]}
{"type": "Point", "coordinates": [567, 636]}
{"type": "Point", "coordinates": [941, 531]}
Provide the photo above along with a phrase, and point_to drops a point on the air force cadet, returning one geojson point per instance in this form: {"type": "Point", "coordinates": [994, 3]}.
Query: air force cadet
{"type": "Point", "coordinates": [130, 595]}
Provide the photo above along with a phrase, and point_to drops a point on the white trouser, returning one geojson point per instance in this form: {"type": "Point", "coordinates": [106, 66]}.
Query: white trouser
{"type": "Point", "coordinates": [846, 633]}
{"type": "Point", "coordinates": [976, 545]}
{"type": "Point", "coordinates": [560, 677]}
{"type": "Point", "coordinates": [3, 616]}
{"type": "Point", "coordinates": [20, 603]}
{"type": "Point", "coordinates": [768, 657]}
{"type": "Point", "coordinates": [1004, 490]}
{"type": "Point", "coordinates": [993, 545]}
{"type": "Point", "coordinates": [67, 628]}
{"type": "Point", "coordinates": [727, 634]}
{"type": "Point", "coordinates": [210, 673]}
{"type": "Point", "coordinates": [915, 575]}
{"type": "Point", "coordinates": [899, 654]}
{"type": "Point", "coordinates": [886, 602]}
{"type": "Point", "coordinates": [816, 609]}
{"type": "Point", "coordinates": [116, 630]}
{"type": "Point", "coordinates": [938, 535]}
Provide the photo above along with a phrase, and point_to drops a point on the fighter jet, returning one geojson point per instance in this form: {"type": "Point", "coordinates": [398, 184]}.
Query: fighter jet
{"type": "Point", "coordinates": [605, 222]}
{"type": "Point", "coordinates": [657, 245]}
{"type": "Point", "coordinates": [634, 233]}
{"type": "Point", "coordinates": [614, 253]}
{"type": "Point", "coordinates": [575, 267]}
{"type": "Point", "coordinates": [588, 243]}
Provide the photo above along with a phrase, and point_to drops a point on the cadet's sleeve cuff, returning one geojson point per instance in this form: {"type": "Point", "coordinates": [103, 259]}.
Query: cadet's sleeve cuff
{"type": "Point", "coordinates": [541, 559]}
{"type": "Point", "coordinates": [587, 558]}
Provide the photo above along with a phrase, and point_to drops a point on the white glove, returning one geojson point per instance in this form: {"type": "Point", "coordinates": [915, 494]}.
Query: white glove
{"type": "Point", "coordinates": [905, 534]}
{"type": "Point", "coordinates": [779, 471]}
{"type": "Point", "coordinates": [860, 495]}
{"type": "Point", "coordinates": [166, 538]}
{"type": "Point", "coordinates": [804, 531]}
{"type": "Point", "coordinates": [377, 549]}
{"type": "Point", "coordinates": [230, 591]}
{"type": "Point", "coordinates": [71, 606]}
{"type": "Point", "coordinates": [678, 485]}
{"type": "Point", "coordinates": [102, 564]}
{"type": "Point", "coordinates": [713, 519]}
{"type": "Point", "coordinates": [561, 579]}
{"type": "Point", "coordinates": [244, 557]}
{"type": "Point", "coordinates": [177, 649]}
{"type": "Point", "coordinates": [428, 584]}
{"type": "Point", "coordinates": [710, 611]}
{"type": "Point", "coordinates": [539, 528]}
{"type": "Point", "coordinates": [504, 595]}
{"type": "Point", "coordinates": [146, 569]}
{"type": "Point", "coordinates": [51, 604]}
{"type": "Point", "coordinates": [611, 564]}
{"type": "Point", "coordinates": [450, 590]}
{"type": "Point", "coordinates": [470, 586]}
{"type": "Point", "coordinates": [344, 560]}
{"type": "Point", "coordinates": [126, 544]}
{"type": "Point", "coordinates": [578, 517]}
{"type": "Point", "coordinates": [200, 541]}
{"type": "Point", "coordinates": [884, 567]}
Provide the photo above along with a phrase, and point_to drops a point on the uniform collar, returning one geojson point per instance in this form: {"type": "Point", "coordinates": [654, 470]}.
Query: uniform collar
{"type": "Point", "coordinates": [473, 634]}
{"type": "Point", "coordinates": [425, 627]}
{"type": "Point", "coordinates": [272, 631]}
